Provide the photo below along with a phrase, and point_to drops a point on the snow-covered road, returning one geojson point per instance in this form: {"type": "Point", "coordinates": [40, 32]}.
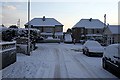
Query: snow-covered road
{"type": "Point", "coordinates": [52, 60]}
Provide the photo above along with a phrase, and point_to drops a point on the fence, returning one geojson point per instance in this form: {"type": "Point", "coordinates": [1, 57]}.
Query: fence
{"type": "Point", "coordinates": [7, 53]}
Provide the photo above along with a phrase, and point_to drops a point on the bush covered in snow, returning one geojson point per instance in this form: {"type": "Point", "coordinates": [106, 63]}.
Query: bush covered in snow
{"type": "Point", "coordinates": [7, 35]}
{"type": "Point", "coordinates": [12, 33]}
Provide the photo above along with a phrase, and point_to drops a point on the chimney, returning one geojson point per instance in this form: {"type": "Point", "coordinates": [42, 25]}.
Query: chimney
{"type": "Point", "coordinates": [90, 19]}
{"type": "Point", "coordinates": [43, 18]}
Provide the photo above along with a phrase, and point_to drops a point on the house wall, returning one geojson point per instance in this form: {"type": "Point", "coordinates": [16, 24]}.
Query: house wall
{"type": "Point", "coordinates": [116, 38]}
{"type": "Point", "coordinates": [107, 36]}
{"type": "Point", "coordinates": [112, 39]}
{"type": "Point", "coordinates": [97, 32]}
{"type": "Point", "coordinates": [41, 29]}
{"type": "Point", "coordinates": [51, 29]}
{"type": "Point", "coordinates": [107, 31]}
{"type": "Point", "coordinates": [54, 30]}
{"type": "Point", "coordinates": [94, 31]}
{"type": "Point", "coordinates": [58, 29]}
{"type": "Point", "coordinates": [80, 33]}
{"type": "Point", "coordinates": [48, 29]}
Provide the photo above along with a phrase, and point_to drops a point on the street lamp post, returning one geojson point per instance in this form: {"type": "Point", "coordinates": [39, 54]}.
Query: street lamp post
{"type": "Point", "coordinates": [29, 42]}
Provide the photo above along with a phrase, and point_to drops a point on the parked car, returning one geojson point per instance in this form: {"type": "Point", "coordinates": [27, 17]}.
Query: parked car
{"type": "Point", "coordinates": [91, 47]}
{"type": "Point", "coordinates": [111, 58]}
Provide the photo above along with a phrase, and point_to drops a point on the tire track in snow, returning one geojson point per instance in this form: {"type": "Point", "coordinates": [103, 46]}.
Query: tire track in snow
{"type": "Point", "coordinates": [90, 69]}
{"type": "Point", "coordinates": [80, 65]}
{"type": "Point", "coordinates": [63, 66]}
{"type": "Point", "coordinates": [60, 66]}
{"type": "Point", "coordinates": [53, 70]}
{"type": "Point", "coordinates": [98, 73]}
{"type": "Point", "coordinates": [57, 65]}
{"type": "Point", "coordinates": [44, 67]}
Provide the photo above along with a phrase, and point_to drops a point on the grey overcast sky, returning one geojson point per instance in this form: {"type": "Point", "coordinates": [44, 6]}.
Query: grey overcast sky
{"type": "Point", "coordinates": [66, 12]}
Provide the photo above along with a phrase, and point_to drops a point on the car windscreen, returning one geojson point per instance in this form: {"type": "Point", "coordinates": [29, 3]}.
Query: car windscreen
{"type": "Point", "coordinates": [92, 43]}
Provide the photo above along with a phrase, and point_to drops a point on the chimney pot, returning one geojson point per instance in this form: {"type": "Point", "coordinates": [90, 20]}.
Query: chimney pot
{"type": "Point", "coordinates": [90, 19]}
{"type": "Point", "coordinates": [43, 18]}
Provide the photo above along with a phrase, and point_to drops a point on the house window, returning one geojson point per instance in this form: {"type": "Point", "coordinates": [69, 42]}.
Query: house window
{"type": "Point", "coordinates": [97, 31]}
{"type": "Point", "coordinates": [92, 31]}
{"type": "Point", "coordinates": [58, 29]}
{"type": "Point", "coordinates": [113, 40]}
{"type": "Point", "coordinates": [82, 31]}
{"type": "Point", "coordinates": [49, 30]}
{"type": "Point", "coordinates": [86, 31]}
{"type": "Point", "coordinates": [89, 31]}
{"type": "Point", "coordinates": [110, 40]}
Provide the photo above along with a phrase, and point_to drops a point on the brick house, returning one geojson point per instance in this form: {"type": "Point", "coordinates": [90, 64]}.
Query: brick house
{"type": "Point", "coordinates": [49, 27]}
{"type": "Point", "coordinates": [87, 29]}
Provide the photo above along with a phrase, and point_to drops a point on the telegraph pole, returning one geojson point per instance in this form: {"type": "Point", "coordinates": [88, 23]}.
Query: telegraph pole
{"type": "Point", "coordinates": [104, 20]}
{"type": "Point", "coordinates": [104, 37]}
{"type": "Point", "coordinates": [18, 23]}
{"type": "Point", "coordinates": [29, 42]}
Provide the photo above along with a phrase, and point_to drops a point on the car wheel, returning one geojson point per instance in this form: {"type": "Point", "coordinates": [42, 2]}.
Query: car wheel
{"type": "Point", "coordinates": [83, 51]}
{"type": "Point", "coordinates": [87, 53]}
{"type": "Point", "coordinates": [104, 65]}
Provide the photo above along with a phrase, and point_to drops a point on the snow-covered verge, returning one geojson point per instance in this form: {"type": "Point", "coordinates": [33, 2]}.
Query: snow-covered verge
{"type": "Point", "coordinates": [53, 60]}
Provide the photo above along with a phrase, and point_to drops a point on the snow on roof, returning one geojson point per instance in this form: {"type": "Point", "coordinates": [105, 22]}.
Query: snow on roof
{"type": "Point", "coordinates": [114, 29]}
{"type": "Point", "coordinates": [44, 22]}
{"type": "Point", "coordinates": [89, 23]}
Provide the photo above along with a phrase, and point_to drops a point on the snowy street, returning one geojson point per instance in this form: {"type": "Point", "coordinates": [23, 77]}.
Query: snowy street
{"type": "Point", "coordinates": [53, 60]}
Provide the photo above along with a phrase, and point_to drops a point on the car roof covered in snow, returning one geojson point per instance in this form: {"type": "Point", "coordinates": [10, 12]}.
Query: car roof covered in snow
{"type": "Point", "coordinates": [114, 29]}
{"type": "Point", "coordinates": [89, 23]}
{"type": "Point", "coordinates": [38, 22]}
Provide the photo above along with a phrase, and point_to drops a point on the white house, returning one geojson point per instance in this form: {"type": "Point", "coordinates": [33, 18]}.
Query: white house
{"type": "Point", "coordinates": [49, 27]}
{"type": "Point", "coordinates": [112, 34]}
{"type": "Point", "coordinates": [88, 28]}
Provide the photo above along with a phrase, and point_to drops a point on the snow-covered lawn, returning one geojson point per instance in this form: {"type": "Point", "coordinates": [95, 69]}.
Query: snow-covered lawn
{"type": "Point", "coordinates": [53, 60]}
